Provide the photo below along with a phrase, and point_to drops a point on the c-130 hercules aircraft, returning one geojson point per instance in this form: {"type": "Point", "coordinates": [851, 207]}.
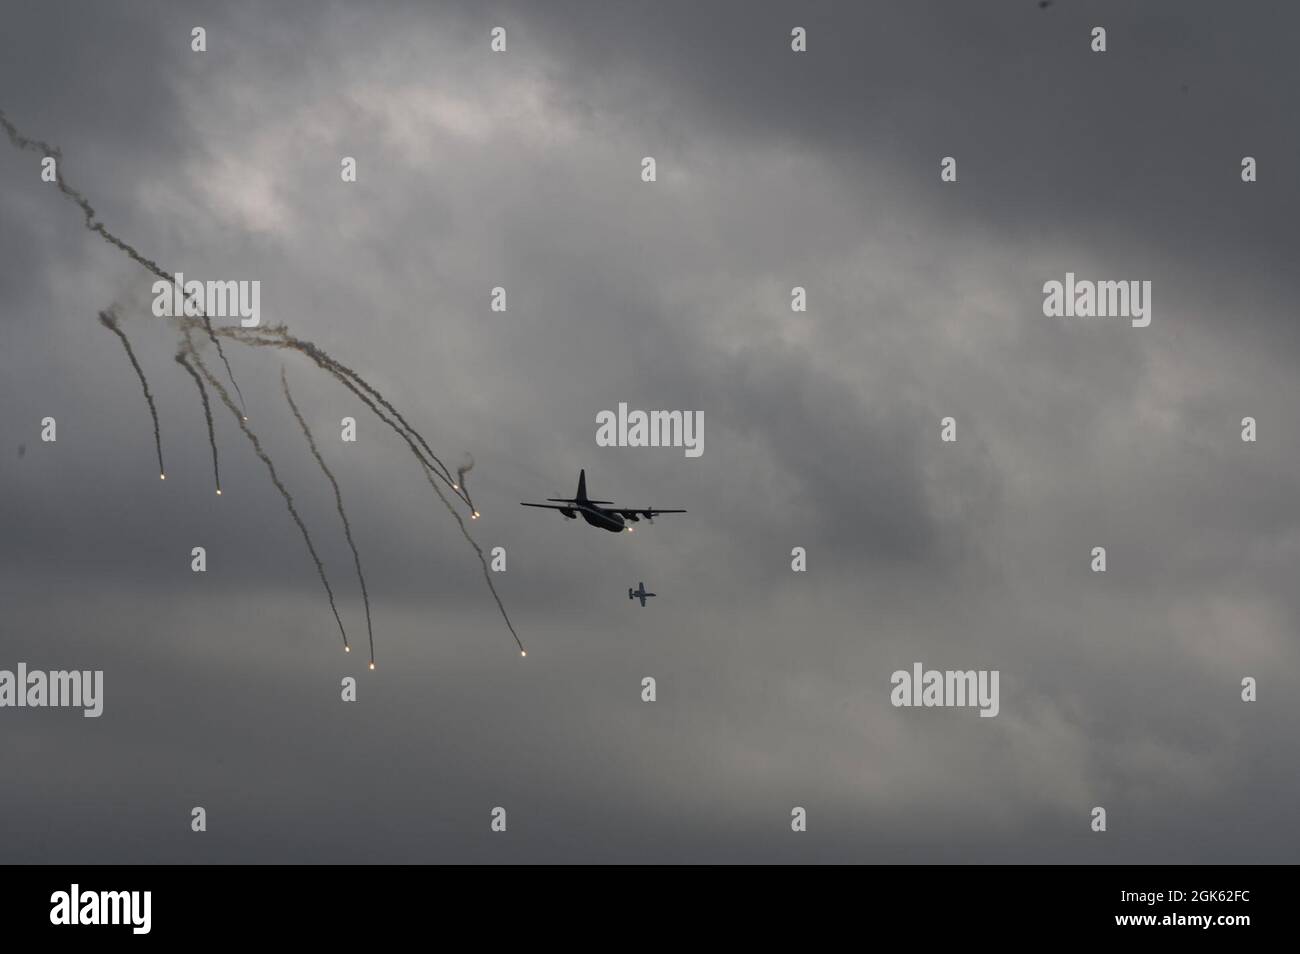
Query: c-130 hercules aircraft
{"type": "Point", "coordinates": [613, 519]}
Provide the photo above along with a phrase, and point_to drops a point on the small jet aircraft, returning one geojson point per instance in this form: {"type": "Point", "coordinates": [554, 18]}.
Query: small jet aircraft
{"type": "Point", "coordinates": [613, 519]}
{"type": "Point", "coordinates": [639, 594]}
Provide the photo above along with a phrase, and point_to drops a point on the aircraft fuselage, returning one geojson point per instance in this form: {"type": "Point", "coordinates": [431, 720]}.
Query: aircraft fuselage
{"type": "Point", "coordinates": [613, 519]}
{"type": "Point", "coordinates": [604, 519]}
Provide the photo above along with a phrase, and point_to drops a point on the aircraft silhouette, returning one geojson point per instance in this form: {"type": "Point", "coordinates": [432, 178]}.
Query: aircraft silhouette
{"type": "Point", "coordinates": [639, 594]}
{"type": "Point", "coordinates": [613, 519]}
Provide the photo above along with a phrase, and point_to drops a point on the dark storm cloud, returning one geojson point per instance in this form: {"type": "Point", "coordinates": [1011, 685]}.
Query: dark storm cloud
{"type": "Point", "coordinates": [1182, 91]}
{"type": "Point", "coordinates": [821, 430]}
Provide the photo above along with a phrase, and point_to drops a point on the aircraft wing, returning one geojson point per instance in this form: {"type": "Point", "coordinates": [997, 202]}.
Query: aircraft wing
{"type": "Point", "coordinates": [635, 513]}
{"type": "Point", "coordinates": [547, 506]}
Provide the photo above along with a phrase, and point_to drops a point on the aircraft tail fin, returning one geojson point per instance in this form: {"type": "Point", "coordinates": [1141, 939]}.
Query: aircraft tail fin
{"type": "Point", "coordinates": [582, 486]}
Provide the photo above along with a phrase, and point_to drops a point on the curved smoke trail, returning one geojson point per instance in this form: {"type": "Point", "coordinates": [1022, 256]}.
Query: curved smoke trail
{"type": "Point", "coordinates": [487, 574]}
{"type": "Point", "coordinates": [279, 485]}
{"type": "Point", "coordinates": [459, 485]}
{"type": "Point", "coordinates": [207, 415]}
{"type": "Point", "coordinates": [109, 320]}
{"type": "Point", "coordinates": [88, 211]}
{"type": "Point", "coordinates": [464, 469]}
{"type": "Point", "coordinates": [279, 337]}
{"type": "Point", "coordinates": [340, 368]}
{"type": "Point", "coordinates": [338, 502]}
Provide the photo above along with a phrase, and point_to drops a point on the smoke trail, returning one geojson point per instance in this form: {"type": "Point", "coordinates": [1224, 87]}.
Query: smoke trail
{"type": "Point", "coordinates": [87, 210]}
{"type": "Point", "coordinates": [487, 574]}
{"type": "Point", "coordinates": [464, 469]}
{"type": "Point", "coordinates": [23, 142]}
{"type": "Point", "coordinates": [277, 337]}
{"type": "Point", "coordinates": [279, 485]}
{"type": "Point", "coordinates": [338, 502]}
{"type": "Point", "coordinates": [307, 348]}
{"type": "Point", "coordinates": [346, 376]}
{"type": "Point", "coordinates": [109, 320]}
{"type": "Point", "coordinates": [430, 462]}
{"type": "Point", "coordinates": [207, 415]}
{"type": "Point", "coordinates": [340, 368]}
{"type": "Point", "coordinates": [344, 373]}
{"type": "Point", "coordinates": [446, 474]}
{"type": "Point", "coordinates": [466, 466]}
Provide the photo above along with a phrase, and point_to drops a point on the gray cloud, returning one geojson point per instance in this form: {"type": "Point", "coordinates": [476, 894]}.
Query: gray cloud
{"type": "Point", "coordinates": [821, 431]}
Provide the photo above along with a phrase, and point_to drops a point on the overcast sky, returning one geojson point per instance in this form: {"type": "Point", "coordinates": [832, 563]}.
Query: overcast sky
{"type": "Point", "coordinates": [775, 169]}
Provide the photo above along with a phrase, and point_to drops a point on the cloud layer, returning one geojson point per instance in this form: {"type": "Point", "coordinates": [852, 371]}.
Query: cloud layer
{"type": "Point", "coordinates": [822, 431]}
